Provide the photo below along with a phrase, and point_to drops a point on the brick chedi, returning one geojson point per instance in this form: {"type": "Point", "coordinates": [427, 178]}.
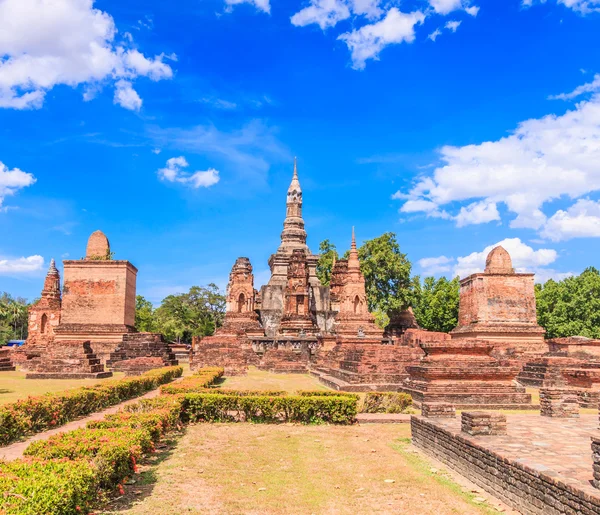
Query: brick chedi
{"type": "Point", "coordinates": [98, 298]}
{"type": "Point", "coordinates": [92, 324]}
{"type": "Point", "coordinates": [230, 346]}
{"type": "Point", "coordinates": [499, 305]}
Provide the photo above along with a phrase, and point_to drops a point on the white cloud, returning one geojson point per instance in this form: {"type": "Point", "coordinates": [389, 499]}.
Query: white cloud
{"type": "Point", "coordinates": [174, 173]}
{"type": "Point", "coordinates": [453, 25]}
{"type": "Point", "coordinates": [580, 6]}
{"type": "Point", "coordinates": [12, 181]}
{"type": "Point", "coordinates": [21, 265]}
{"type": "Point", "coordinates": [325, 13]}
{"type": "Point", "coordinates": [590, 87]}
{"type": "Point", "coordinates": [477, 213]}
{"type": "Point", "coordinates": [435, 265]}
{"type": "Point", "coordinates": [249, 150]}
{"type": "Point", "coordinates": [524, 258]}
{"type": "Point", "coordinates": [261, 5]}
{"type": "Point", "coordinates": [447, 6]}
{"type": "Point", "coordinates": [581, 220]}
{"type": "Point", "coordinates": [542, 160]}
{"type": "Point", "coordinates": [126, 96]}
{"type": "Point", "coordinates": [366, 43]}
{"type": "Point", "coordinates": [46, 43]}
{"type": "Point", "coordinates": [434, 35]}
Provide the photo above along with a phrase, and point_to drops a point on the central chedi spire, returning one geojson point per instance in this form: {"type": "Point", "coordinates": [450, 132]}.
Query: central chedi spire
{"type": "Point", "coordinates": [294, 234]}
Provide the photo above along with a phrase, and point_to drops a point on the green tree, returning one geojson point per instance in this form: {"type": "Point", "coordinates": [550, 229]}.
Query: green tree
{"type": "Point", "coordinates": [570, 307]}
{"type": "Point", "coordinates": [327, 255]}
{"type": "Point", "coordinates": [435, 303]}
{"type": "Point", "coordinates": [13, 318]}
{"type": "Point", "coordinates": [196, 313]}
{"type": "Point", "coordinates": [145, 320]}
{"type": "Point", "coordinates": [387, 274]}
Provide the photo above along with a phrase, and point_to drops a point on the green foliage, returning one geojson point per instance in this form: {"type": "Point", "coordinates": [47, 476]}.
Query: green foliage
{"type": "Point", "coordinates": [386, 402]}
{"type": "Point", "coordinates": [327, 255]}
{"type": "Point", "coordinates": [54, 487]}
{"type": "Point", "coordinates": [200, 381]}
{"type": "Point", "coordinates": [114, 452]}
{"type": "Point", "coordinates": [13, 318]}
{"type": "Point", "coordinates": [209, 407]}
{"type": "Point", "coordinates": [196, 313]}
{"type": "Point", "coordinates": [570, 307]}
{"type": "Point", "coordinates": [435, 303]}
{"type": "Point", "coordinates": [387, 274]}
{"type": "Point", "coordinates": [145, 320]}
{"type": "Point", "coordinates": [35, 414]}
{"type": "Point", "coordinates": [326, 393]}
{"type": "Point", "coordinates": [156, 422]}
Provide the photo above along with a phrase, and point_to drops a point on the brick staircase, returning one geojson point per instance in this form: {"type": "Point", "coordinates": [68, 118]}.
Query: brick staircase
{"type": "Point", "coordinates": [136, 346]}
{"type": "Point", "coordinates": [6, 364]}
{"type": "Point", "coordinates": [67, 360]}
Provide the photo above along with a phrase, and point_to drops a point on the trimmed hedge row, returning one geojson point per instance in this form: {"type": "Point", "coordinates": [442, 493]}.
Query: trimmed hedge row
{"type": "Point", "coordinates": [200, 381]}
{"type": "Point", "coordinates": [36, 414]}
{"type": "Point", "coordinates": [209, 407]}
{"type": "Point", "coordinates": [386, 402]}
{"type": "Point", "coordinates": [327, 393]}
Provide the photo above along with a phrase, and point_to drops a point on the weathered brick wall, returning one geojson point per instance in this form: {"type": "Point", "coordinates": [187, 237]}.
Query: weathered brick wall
{"type": "Point", "coordinates": [99, 292]}
{"type": "Point", "coordinates": [483, 423]}
{"type": "Point", "coordinates": [524, 489]}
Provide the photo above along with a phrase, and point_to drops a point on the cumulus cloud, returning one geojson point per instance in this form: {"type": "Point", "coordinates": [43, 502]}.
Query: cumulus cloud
{"type": "Point", "coordinates": [524, 258]}
{"type": "Point", "coordinates": [23, 265]}
{"type": "Point", "coordinates": [590, 87]}
{"type": "Point", "coordinates": [174, 172]}
{"type": "Point", "coordinates": [434, 35]}
{"type": "Point", "coordinates": [435, 265]}
{"type": "Point", "coordinates": [543, 159]}
{"type": "Point", "coordinates": [47, 43]}
{"type": "Point", "coordinates": [581, 220]}
{"type": "Point", "coordinates": [12, 181]}
{"type": "Point", "coordinates": [366, 43]}
{"type": "Point", "coordinates": [580, 6]}
{"type": "Point", "coordinates": [324, 13]}
{"type": "Point", "coordinates": [261, 5]}
{"type": "Point", "coordinates": [447, 6]}
{"type": "Point", "coordinates": [453, 25]}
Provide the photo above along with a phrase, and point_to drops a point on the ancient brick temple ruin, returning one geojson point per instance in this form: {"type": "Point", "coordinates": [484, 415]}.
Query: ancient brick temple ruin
{"type": "Point", "coordinates": [295, 323]}
{"type": "Point", "coordinates": [498, 305]}
{"type": "Point", "coordinates": [91, 323]}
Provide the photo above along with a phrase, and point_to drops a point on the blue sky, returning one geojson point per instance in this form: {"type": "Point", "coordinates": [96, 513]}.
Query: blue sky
{"type": "Point", "coordinates": [172, 127]}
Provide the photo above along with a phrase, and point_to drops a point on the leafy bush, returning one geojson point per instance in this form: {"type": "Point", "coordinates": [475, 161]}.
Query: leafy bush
{"type": "Point", "coordinates": [386, 402]}
{"type": "Point", "coordinates": [156, 422]}
{"type": "Point", "coordinates": [114, 452]}
{"type": "Point", "coordinates": [326, 393]}
{"type": "Point", "coordinates": [35, 414]}
{"type": "Point", "coordinates": [53, 487]}
{"type": "Point", "coordinates": [209, 407]}
{"type": "Point", "coordinates": [200, 381]}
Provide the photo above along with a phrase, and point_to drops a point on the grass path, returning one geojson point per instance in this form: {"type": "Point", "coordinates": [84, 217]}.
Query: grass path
{"type": "Point", "coordinates": [284, 469]}
{"type": "Point", "coordinates": [260, 380]}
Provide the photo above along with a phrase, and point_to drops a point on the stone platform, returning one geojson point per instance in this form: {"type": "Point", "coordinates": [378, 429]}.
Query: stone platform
{"type": "Point", "coordinates": [541, 466]}
{"type": "Point", "coordinates": [6, 364]}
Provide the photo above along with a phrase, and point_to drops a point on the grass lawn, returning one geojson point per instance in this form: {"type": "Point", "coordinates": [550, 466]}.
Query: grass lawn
{"type": "Point", "coordinates": [286, 469]}
{"type": "Point", "coordinates": [260, 380]}
{"type": "Point", "coordinates": [14, 386]}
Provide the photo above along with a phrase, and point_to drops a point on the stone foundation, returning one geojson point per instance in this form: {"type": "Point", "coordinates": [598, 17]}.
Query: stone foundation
{"type": "Point", "coordinates": [283, 361]}
{"type": "Point", "coordinates": [143, 345]}
{"type": "Point", "coordinates": [559, 403]}
{"type": "Point", "coordinates": [526, 488]}
{"type": "Point", "coordinates": [483, 423]}
{"type": "Point", "coordinates": [437, 410]}
{"type": "Point", "coordinates": [6, 364]}
{"type": "Point", "coordinates": [67, 360]}
{"type": "Point", "coordinates": [137, 366]}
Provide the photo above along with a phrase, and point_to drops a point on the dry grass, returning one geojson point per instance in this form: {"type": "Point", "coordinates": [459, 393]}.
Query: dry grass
{"type": "Point", "coordinates": [283, 469]}
{"type": "Point", "coordinates": [14, 386]}
{"type": "Point", "coordinates": [260, 380]}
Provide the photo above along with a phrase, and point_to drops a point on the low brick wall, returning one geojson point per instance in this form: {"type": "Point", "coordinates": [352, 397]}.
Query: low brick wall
{"type": "Point", "coordinates": [523, 488]}
{"type": "Point", "coordinates": [437, 410]}
{"type": "Point", "coordinates": [559, 403]}
{"type": "Point", "coordinates": [483, 423]}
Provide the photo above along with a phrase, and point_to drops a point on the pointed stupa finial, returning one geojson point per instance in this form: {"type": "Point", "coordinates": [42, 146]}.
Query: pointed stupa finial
{"type": "Point", "coordinates": [52, 268]}
{"type": "Point", "coordinates": [295, 184]}
{"type": "Point", "coordinates": [295, 167]}
{"type": "Point", "coordinates": [353, 262]}
{"type": "Point", "coordinates": [353, 245]}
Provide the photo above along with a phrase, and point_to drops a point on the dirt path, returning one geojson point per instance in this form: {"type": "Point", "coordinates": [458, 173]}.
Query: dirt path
{"type": "Point", "coordinates": [284, 469]}
{"type": "Point", "coordinates": [15, 450]}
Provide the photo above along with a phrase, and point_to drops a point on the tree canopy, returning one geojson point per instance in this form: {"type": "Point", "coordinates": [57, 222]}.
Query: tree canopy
{"type": "Point", "coordinates": [327, 255]}
{"type": "Point", "coordinates": [570, 307]}
{"type": "Point", "coordinates": [435, 303]}
{"type": "Point", "coordinates": [13, 318]}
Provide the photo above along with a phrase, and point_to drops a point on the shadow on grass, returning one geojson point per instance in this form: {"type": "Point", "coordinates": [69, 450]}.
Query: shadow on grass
{"type": "Point", "coordinates": [4, 390]}
{"type": "Point", "coordinates": [146, 479]}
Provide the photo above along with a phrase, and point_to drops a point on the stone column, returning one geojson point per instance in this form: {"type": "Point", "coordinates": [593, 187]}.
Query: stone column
{"type": "Point", "coordinates": [559, 403]}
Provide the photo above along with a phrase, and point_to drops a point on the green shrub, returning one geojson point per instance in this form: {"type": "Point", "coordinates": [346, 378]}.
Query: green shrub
{"type": "Point", "coordinates": [114, 452]}
{"type": "Point", "coordinates": [55, 487]}
{"type": "Point", "coordinates": [327, 393]}
{"type": "Point", "coordinates": [35, 414]}
{"type": "Point", "coordinates": [209, 407]}
{"type": "Point", "coordinates": [156, 422]}
{"type": "Point", "coordinates": [386, 402]}
{"type": "Point", "coordinates": [200, 381]}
